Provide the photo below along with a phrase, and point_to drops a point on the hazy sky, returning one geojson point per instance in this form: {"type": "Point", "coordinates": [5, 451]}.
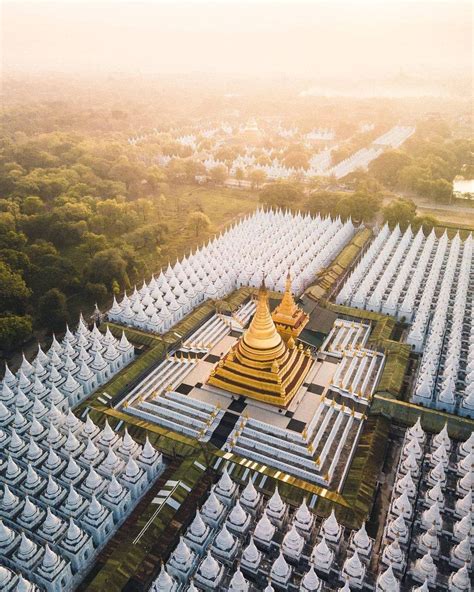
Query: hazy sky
{"type": "Point", "coordinates": [250, 38]}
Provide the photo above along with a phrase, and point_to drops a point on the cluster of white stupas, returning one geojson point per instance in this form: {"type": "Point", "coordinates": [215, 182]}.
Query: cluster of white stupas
{"type": "Point", "coordinates": [446, 376]}
{"type": "Point", "coordinates": [66, 485]}
{"type": "Point", "coordinates": [395, 136]}
{"type": "Point", "coordinates": [274, 170]}
{"type": "Point", "coordinates": [320, 134]}
{"type": "Point", "coordinates": [319, 163]}
{"type": "Point", "coordinates": [428, 281]}
{"type": "Point", "coordinates": [363, 157]}
{"type": "Point", "coordinates": [429, 521]}
{"type": "Point", "coordinates": [270, 243]}
{"type": "Point", "coordinates": [273, 546]}
{"type": "Point", "coordinates": [65, 375]}
{"type": "Point", "coordinates": [13, 582]}
{"type": "Point", "coordinates": [358, 160]}
{"type": "Point", "coordinates": [242, 541]}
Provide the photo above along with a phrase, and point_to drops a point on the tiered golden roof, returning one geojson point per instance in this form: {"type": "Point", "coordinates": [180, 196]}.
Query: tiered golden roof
{"type": "Point", "coordinates": [261, 365]}
{"type": "Point", "coordinates": [288, 318]}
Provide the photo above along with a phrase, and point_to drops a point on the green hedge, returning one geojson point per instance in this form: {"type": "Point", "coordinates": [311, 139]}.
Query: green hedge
{"type": "Point", "coordinates": [432, 420]}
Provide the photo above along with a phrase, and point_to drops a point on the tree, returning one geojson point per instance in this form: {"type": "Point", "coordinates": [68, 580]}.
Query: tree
{"type": "Point", "coordinates": [239, 175]}
{"type": "Point", "coordinates": [98, 292]}
{"type": "Point", "coordinates": [32, 205]}
{"type": "Point", "coordinates": [14, 292]}
{"type": "Point", "coordinates": [106, 266]}
{"type": "Point", "coordinates": [400, 211]}
{"type": "Point", "coordinates": [388, 165]}
{"type": "Point", "coordinates": [410, 176]}
{"type": "Point", "coordinates": [226, 154]}
{"type": "Point", "coordinates": [14, 331]}
{"type": "Point", "coordinates": [52, 309]}
{"type": "Point", "coordinates": [442, 190]}
{"type": "Point", "coordinates": [297, 159]}
{"type": "Point", "coordinates": [91, 243]}
{"type": "Point", "coordinates": [324, 202]}
{"type": "Point", "coordinates": [425, 222]}
{"type": "Point", "coordinates": [360, 206]}
{"type": "Point", "coordinates": [198, 222]}
{"type": "Point", "coordinates": [218, 174]}
{"type": "Point", "coordinates": [281, 195]}
{"type": "Point", "coordinates": [257, 177]}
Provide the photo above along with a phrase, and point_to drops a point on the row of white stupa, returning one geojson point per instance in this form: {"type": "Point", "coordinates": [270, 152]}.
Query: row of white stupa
{"type": "Point", "coordinates": [397, 269]}
{"type": "Point", "coordinates": [243, 525]}
{"type": "Point", "coordinates": [415, 524]}
{"type": "Point", "coordinates": [65, 375]}
{"type": "Point", "coordinates": [66, 485]}
{"type": "Point", "coordinates": [233, 525]}
{"type": "Point", "coordinates": [266, 243]}
{"type": "Point", "coordinates": [444, 342]}
{"type": "Point", "coordinates": [427, 281]}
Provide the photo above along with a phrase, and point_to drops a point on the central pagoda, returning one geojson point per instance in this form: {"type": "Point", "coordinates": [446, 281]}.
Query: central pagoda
{"type": "Point", "coordinates": [261, 365]}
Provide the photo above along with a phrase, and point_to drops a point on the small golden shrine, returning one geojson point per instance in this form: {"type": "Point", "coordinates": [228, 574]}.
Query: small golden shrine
{"type": "Point", "coordinates": [288, 318]}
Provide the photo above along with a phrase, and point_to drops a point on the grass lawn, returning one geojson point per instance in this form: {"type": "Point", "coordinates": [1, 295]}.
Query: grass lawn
{"type": "Point", "coordinates": [222, 205]}
{"type": "Point", "coordinates": [450, 217]}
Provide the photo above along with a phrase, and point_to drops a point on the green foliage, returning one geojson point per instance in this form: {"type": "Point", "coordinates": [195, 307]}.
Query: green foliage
{"type": "Point", "coordinates": [218, 174]}
{"type": "Point", "coordinates": [14, 331]}
{"type": "Point", "coordinates": [257, 177]}
{"type": "Point", "coordinates": [79, 214]}
{"type": "Point", "coordinates": [108, 266]}
{"type": "Point", "coordinates": [385, 168]}
{"type": "Point", "coordinates": [427, 163]}
{"type": "Point", "coordinates": [98, 292]}
{"type": "Point", "coordinates": [400, 211]}
{"type": "Point", "coordinates": [52, 309]}
{"type": "Point", "coordinates": [296, 157]}
{"type": "Point", "coordinates": [361, 206]}
{"type": "Point", "coordinates": [13, 290]}
{"type": "Point", "coordinates": [281, 195]}
{"type": "Point", "coordinates": [426, 222]}
{"type": "Point", "coordinates": [198, 222]}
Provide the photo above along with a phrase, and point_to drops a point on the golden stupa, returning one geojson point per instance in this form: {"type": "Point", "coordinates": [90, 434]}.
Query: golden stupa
{"type": "Point", "coordinates": [288, 318]}
{"type": "Point", "coordinates": [261, 365]}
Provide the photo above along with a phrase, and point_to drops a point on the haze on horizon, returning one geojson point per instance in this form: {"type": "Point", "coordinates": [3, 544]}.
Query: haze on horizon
{"type": "Point", "coordinates": [350, 40]}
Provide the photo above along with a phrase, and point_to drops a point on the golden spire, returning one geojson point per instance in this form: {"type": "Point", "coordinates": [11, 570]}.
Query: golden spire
{"type": "Point", "coordinates": [287, 305]}
{"type": "Point", "coordinates": [262, 333]}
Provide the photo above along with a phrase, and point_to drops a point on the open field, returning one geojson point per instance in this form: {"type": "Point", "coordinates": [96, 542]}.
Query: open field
{"type": "Point", "coordinates": [221, 204]}
{"type": "Point", "coordinates": [456, 217]}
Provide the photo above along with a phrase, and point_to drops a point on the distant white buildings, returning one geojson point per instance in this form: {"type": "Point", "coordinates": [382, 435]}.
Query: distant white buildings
{"type": "Point", "coordinates": [361, 159]}
{"type": "Point", "coordinates": [463, 188]}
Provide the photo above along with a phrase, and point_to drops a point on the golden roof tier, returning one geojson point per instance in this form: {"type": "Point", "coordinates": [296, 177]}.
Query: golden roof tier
{"type": "Point", "coordinates": [289, 319]}
{"type": "Point", "coordinates": [261, 365]}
